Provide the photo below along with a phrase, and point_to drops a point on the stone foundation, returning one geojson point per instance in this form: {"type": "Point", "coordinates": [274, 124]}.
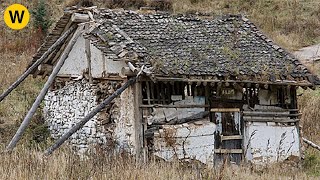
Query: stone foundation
{"type": "Point", "coordinates": [111, 128]}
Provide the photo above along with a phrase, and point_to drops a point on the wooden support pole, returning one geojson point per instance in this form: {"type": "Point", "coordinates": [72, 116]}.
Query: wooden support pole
{"type": "Point", "coordinates": [88, 55]}
{"type": "Point", "coordinates": [42, 94]}
{"type": "Point", "coordinates": [311, 144]}
{"type": "Point", "coordinates": [148, 91]}
{"type": "Point", "coordinates": [82, 122]}
{"type": "Point", "coordinates": [59, 42]}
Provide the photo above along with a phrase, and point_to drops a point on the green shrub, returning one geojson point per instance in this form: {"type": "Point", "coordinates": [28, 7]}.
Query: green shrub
{"type": "Point", "coordinates": [312, 163]}
{"type": "Point", "coordinates": [41, 17]}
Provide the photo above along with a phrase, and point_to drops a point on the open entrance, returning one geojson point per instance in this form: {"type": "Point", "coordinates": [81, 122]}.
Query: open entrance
{"type": "Point", "coordinates": [228, 136]}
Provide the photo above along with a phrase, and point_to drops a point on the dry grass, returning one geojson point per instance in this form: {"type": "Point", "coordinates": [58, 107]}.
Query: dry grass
{"type": "Point", "coordinates": [30, 164]}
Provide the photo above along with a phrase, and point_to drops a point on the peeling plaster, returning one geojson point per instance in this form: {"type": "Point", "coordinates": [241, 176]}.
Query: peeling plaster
{"type": "Point", "coordinates": [267, 143]}
{"type": "Point", "coordinates": [186, 141]}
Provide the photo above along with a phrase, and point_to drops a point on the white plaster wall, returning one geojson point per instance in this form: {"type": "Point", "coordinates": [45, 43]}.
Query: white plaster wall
{"type": "Point", "coordinates": [124, 132]}
{"type": "Point", "coordinates": [98, 63]}
{"type": "Point", "coordinates": [268, 142]}
{"type": "Point", "coordinates": [76, 63]}
{"type": "Point", "coordinates": [186, 141]}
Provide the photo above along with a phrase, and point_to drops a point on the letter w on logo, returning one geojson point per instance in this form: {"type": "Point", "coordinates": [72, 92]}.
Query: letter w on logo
{"type": "Point", "coordinates": [16, 15]}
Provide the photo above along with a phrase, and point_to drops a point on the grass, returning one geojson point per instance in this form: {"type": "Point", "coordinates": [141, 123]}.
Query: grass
{"type": "Point", "coordinates": [292, 24]}
{"type": "Point", "coordinates": [26, 163]}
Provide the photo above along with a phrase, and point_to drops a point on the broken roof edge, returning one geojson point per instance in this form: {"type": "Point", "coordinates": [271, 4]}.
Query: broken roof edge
{"type": "Point", "coordinates": [199, 79]}
{"type": "Point", "coordinates": [71, 11]}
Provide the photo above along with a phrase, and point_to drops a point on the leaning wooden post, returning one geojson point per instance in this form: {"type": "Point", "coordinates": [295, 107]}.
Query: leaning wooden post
{"type": "Point", "coordinates": [42, 94]}
{"type": "Point", "coordinates": [82, 122]}
{"type": "Point", "coordinates": [311, 143]}
{"type": "Point", "coordinates": [59, 42]}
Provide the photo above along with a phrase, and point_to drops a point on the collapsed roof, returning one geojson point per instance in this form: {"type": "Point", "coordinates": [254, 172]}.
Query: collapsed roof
{"type": "Point", "coordinates": [184, 46]}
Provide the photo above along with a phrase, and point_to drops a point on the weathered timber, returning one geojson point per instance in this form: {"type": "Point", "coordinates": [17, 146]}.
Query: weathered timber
{"type": "Point", "coordinates": [88, 55]}
{"type": "Point", "coordinates": [175, 106]}
{"type": "Point", "coordinates": [83, 121]}
{"type": "Point", "coordinates": [148, 91]}
{"type": "Point", "coordinates": [42, 94]}
{"type": "Point", "coordinates": [125, 71]}
{"type": "Point", "coordinates": [132, 68]}
{"type": "Point", "coordinates": [59, 42]}
{"type": "Point", "coordinates": [80, 18]}
{"type": "Point", "coordinates": [192, 118]}
{"type": "Point", "coordinates": [228, 151]}
{"type": "Point", "coordinates": [272, 110]}
{"type": "Point", "coordinates": [139, 123]}
{"type": "Point", "coordinates": [304, 85]}
{"type": "Point", "coordinates": [311, 143]}
{"type": "Point", "coordinates": [269, 119]}
{"type": "Point", "coordinates": [45, 68]}
{"type": "Point", "coordinates": [149, 133]}
{"type": "Point", "coordinates": [234, 137]}
{"type": "Point", "coordinates": [225, 110]}
{"type": "Point", "coordinates": [269, 114]}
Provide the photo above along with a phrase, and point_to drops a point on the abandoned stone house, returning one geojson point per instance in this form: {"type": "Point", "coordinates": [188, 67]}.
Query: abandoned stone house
{"type": "Point", "coordinates": [210, 88]}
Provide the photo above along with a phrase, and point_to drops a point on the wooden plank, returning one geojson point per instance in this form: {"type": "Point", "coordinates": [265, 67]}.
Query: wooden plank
{"type": "Point", "coordinates": [268, 119]}
{"type": "Point", "coordinates": [152, 92]}
{"type": "Point", "coordinates": [228, 151]}
{"type": "Point", "coordinates": [271, 110]}
{"type": "Point", "coordinates": [125, 71]}
{"type": "Point", "coordinates": [235, 137]}
{"type": "Point", "coordinates": [163, 98]}
{"type": "Point", "coordinates": [42, 94]}
{"type": "Point", "coordinates": [44, 68]}
{"type": "Point", "coordinates": [88, 55]}
{"type": "Point", "coordinates": [113, 78]}
{"type": "Point", "coordinates": [38, 62]}
{"type": "Point", "coordinates": [148, 91]}
{"type": "Point", "coordinates": [225, 110]}
{"type": "Point", "coordinates": [293, 83]}
{"type": "Point", "coordinates": [139, 124]}
{"type": "Point", "coordinates": [174, 106]}
{"type": "Point", "coordinates": [80, 18]}
{"type": "Point", "coordinates": [271, 114]}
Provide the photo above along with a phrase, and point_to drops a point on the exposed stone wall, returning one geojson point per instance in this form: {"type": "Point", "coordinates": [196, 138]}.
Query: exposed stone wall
{"type": "Point", "coordinates": [67, 106]}
{"type": "Point", "coordinates": [186, 141]}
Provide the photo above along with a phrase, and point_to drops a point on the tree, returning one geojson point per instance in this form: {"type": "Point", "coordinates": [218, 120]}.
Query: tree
{"type": "Point", "coordinates": [41, 18]}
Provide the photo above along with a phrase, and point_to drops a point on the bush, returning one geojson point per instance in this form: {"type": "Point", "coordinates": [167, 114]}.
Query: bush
{"type": "Point", "coordinates": [41, 17]}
